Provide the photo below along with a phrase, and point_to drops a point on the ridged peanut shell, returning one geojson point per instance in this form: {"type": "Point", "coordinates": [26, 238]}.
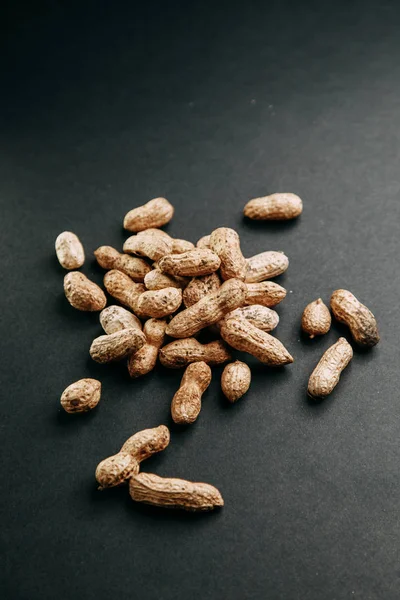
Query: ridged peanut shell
{"type": "Point", "coordinates": [69, 251]}
{"type": "Point", "coordinates": [115, 470]}
{"type": "Point", "coordinates": [155, 213]}
{"type": "Point", "coordinates": [225, 242]}
{"type": "Point", "coordinates": [235, 380]}
{"type": "Point", "coordinates": [81, 396]}
{"type": "Point", "coordinates": [114, 318]}
{"type": "Point", "coordinates": [109, 258]}
{"type": "Point", "coordinates": [276, 207]}
{"type": "Point", "coordinates": [193, 263]}
{"type": "Point", "coordinates": [266, 293]}
{"type": "Point", "coordinates": [316, 318]}
{"type": "Point", "coordinates": [147, 442]}
{"type": "Point", "coordinates": [200, 287]}
{"type": "Point", "coordinates": [360, 320]}
{"type": "Point", "coordinates": [155, 280]}
{"type": "Point", "coordinates": [204, 242]}
{"type": "Point", "coordinates": [326, 374]}
{"type": "Point", "coordinates": [262, 317]}
{"type": "Point", "coordinates": [266, 266]}
{"type": "Point", "coordinates": [186, 403]}
{"type": "Point", "coordinates": [116, 346]}
{"type": "Point", "coordinates": [82, 293]}
{"type": "Point", "coordinates": [152, 243]}
{"type": "Point", "coordinates": [158, 303]}
{"type": "Point", "coordinates": [180, 246]}
{"type": "Point", "coordinates": [180, 353]}
{"type": "Point", "coordinates": [144, 360]}
{"type": "Point", "coordinates": [122, 288]}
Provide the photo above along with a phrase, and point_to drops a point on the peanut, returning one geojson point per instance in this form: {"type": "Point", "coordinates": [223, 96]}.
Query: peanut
{"type": "Point", "coordinates": [115, 470]}
{"type": "Point", "coordinates": [275, 207]}
{"type": "Point", "coordinates": [152, 243]}
{"type": "Point", "coordinates": [208, 310]}
{"type": "Point", "coordinates": [109, 258]}
{"type": "Point", "coordinates": [204, 242]}
{"type": "Point", "coordinates": [180, 353]}
{"type": "Point", "coordinates": [200, 287]}
{"type": "Point", "coordinates": [174, 493]}
{"type": "Point", "coordinates": [267, 293]}
{"type": "Point", "coordinates": [186, 404]}
{"type": "Point", "coordinates": [82, 293]}
{"type": "Point", "coordinates": [69, 250]}
{"type": "Point", "coordinates": [116, 346]}
{"type": "Point", "coordinates": [360, 320]}
{"type": "Point", "coordinates": [225, 243]}
{"type": "Point", "coordinates": [326, 374]}
{"type": "Point", "coordinates": [158, 303]}
{"type": "Point", "coordinates": [235, 380]}
{"type": "Point", "coordinates": [265, 266]}
{"type": "Point", "coordinates": [147, 442]}
{"type": "Point", "coordinates": [260, 316]}
{"type": "Point", "coordinates": [193, 263]}
{"type": "Point", "coordinates": [155, 213]}
{"type": "Point", "coordinates": [81, 396]}
{"type": "Point", "coordinates": [114, 318]}
{"type": "Point", "coordinates": [316, 319]}
{"type": "Point", "coordinates": [121, 287]}
{"type": "Point", "coordinates": [180, 246]}
{"type": "Point", "coordinates": [155, 280]}
{"type": "Point", "coordinates": [242, 335]}
{"type": "Point", "coordinates": [144, 360]}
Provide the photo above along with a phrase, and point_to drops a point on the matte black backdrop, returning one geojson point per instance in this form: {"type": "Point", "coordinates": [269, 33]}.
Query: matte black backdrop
{"type": "Point", "coordinates": [107, 106]}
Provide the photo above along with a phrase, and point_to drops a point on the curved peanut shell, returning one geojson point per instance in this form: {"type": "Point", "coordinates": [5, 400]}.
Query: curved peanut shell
{"type": "Point", "coordinates": [362, 323]}
{"type": "Point", "coordinates": [200, 287]}
{"type": "Point", "coordinates": [158, 303]}
{"type": "Point", "coordinates": [235, 380]}
{"type": "Point", "coordinates": [186, 403]}
{"type": "Point", "coordinates": [174, 493]}
{"type": "Point", "coordinates": [147, 442]}
{"type": "Point", "coordinates": [155, 280]}
{"type": "Point", "coordinates": [115, 470]}
{"type": "Point", "coordinates": [152, 243]}
{"type": "Point", "coordinates": [193, 263]}
{"type": "Point", "coordinates": [109, 258]}
{"type": "Point", "coordinates": [275, 207]}
{"type": "Point", "coordinates": [262, 317]}
{"type": "Point", "coordinates": [114, 318]}
{"type": "Point", "coordinates": [316, 319]}
{"type": "Point", "coordinates": [81, 396]}
{"type": "Point", "coordinates": [116, 346]}
{"type": "Point", "coordinates": [144, 360]}
{"type": "Point", "coordinates": [155, 213]}
{"type": "Point", "coordinates": [180, 246]}
{"type": "Point", "coordinates": [180, 353]}
{"type": "Point", "coordinates": [204, 242]}
{"type": "Point", "coordinates": [82, 293]}
{"type": "Point", "coordinates": [265, 266]}
{"type": "Point", "coordinates": [122, 288]}
{"type": "Point", "coordinates": [266, 293]}
{"type": "Point", "coordinates": [225, 243]}
{"type": "Point", "coordinates": [326, 374]}
{"type": "Point", "coordinates": [69, 250]}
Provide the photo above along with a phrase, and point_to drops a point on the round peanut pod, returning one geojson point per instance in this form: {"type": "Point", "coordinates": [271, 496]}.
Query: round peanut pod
{"type": "Point", "coordinates": [114, 318]}
{"type": "Point", "coordinates": [174, 493]}
{"type": "Point", "coordinates": [116, 346]}
{"type": "Point", "coordinates": [186, 403]}
{"type": "Point", "coordinates": [144, 360]}
{"type": "Point", "coordinates": [316, 319]}
{"type": "Point", "coordinates": [115, 470]}
{"type": "Point", "coordinates": [81, 396]}
{"type": "Point", "coordinates": [147, 442]}
{"type": "Point", "coordinates": [204, 242]}
{"type": "Point", "coordinates": [122, 288]}
{"type": "Point", "coordinates": [193, 263]}
{"type": "Point", "coordinates": [225, 243]}
{"type": "Point", "coordinates": [262, 317]}
{"type": "Point", "coordinates": [69, 251]}
{"type": "Point", "coordinates": [155, 213]}
{"type": "Point", "coordinates": [180, 246]}
{"type": "Point", "coordinates": [326, 374]}
{"type": "Point", "coordinates": [200, 287]}
{"type": "Point", "coordinates": [158, 303]}
{"type": "Point", "coordinates": [276, 207]}
{"type": "Point", "coordinates": [180, 353]}
{"type": "Point", "coordinates": [267, 294]}
{"type": "Point", "coordinates": [152, 243]}
{"type": "Point", "coordinates": [360, 320]}
{"type": "Point", "coordinates": [235, 380]}
{"type": "Point", "coordinates": [155, 280]}
{"type": "Point", "coordinates": [109, 258]}
{"type": "Point", "coordinates": [265, 266]}
{"type": "Point", "coordinates": [82, 293]}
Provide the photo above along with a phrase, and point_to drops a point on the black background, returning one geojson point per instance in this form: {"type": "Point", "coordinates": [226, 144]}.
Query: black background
{"type": "Point", "coordinates": [106, 105]}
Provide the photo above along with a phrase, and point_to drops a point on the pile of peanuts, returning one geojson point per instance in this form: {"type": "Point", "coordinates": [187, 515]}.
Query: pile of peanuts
{"type": "Point", "coordinates": [173, 289]}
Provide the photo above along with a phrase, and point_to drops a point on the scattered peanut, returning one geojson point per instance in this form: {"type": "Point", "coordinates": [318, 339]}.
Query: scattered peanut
{"type": "Point", "coordinates": [147, 442]}
{"type": "Point", "coordinates": [316, 319]}
{"type": "Point", "coordinates": [204, 242]}
{"type": "Point", "coordinates": [81, 396]}
{"type": "Point", "coordinates": [155, 213]}
{"type": "Point", "coordinates": [265, 266]}
{"type": "Point", "coordinates": [180, 246]}
{"type": "Point", "coordinates": [186, 404]}
{"type": "Point", "coordinates": [200, 287]}
{"type": "Point", "coordinates": [122, 288]}
{"type": "Point", "coordinates": [267, 294]}
{"type": "Point", "coordinates": [69, 250]}
{"type": "Point", "coordinates": [155, 280]}
{"type": "Point", "coordinates": [225, 243]}
{"type": "Point", "coordinates": [260, 316]}
{"type": "Point", "coordinates": [326, 374]}
{"type": "Point", "coordinates": [114, 318]}
{"type": "Point", "coordinates": [109, 258]}
{"type": "Point", "coordinates": [235, 380]}
{"type": "Point", "coordinates": [115, 470]}
{"type": "Point", "coordinates": [116, 346]}
{"type": "Point", "coordinates": [82, 293]}
{"type": "Point", "coordinates": [174, 493]}
{"type": "Point", "coordinates": [360, 320]}
{"type": "Point", "coordinates": [193, 263]}
{"type": "Point", "coordinates": [152, 243]}
{"type": "Point", "coordinates": [180, 353]}
{"type": "Point", "coordinates": [144, 360]}
{"type": "Point", "coordinates": [275, 207]}
{"type": "Point", "coordinates": [158, 303]}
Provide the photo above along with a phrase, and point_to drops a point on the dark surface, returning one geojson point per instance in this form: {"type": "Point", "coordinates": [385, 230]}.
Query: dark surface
{"type": "Point", "coordinates": [104, 108]}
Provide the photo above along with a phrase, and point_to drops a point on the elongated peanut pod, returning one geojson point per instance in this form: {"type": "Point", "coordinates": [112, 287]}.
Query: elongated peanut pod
{"type": "Point", "coordinates": [186, 404]}
{"type": "Point", "coordinates": [82, 293]}
{"type": "Point", "coordinates": [235, 380]}
{"type": "Point", "coordinates": [267, 293]}
{"type": "Point", "coordinates": [122, 288]}
{"type": "Point", "coordinates": [155, 280]}
{"type": "Point", "coordinates": [147, 442]}
{"type": "Point", "coordinates": [262, 317]}
{"type": "Point", "coordinates": [144, 360]}
{"type": "Point", "coordinates": [360, 320]}
{"type": "Point", "coordinates": [180, 353]}
{"type": "Point", "coordinates": [265, 266]}
{"type": "Point", "coordinates": [81, 396]}
{"type": "Point", "coordinates": [326, 374]}
{"type": "Point", "coordinates": [155, 213]}
{"type": "Point", "coordinates": [200, 287]}
{"type": "Point", "coordinates": [208, 310]}
{"type": "Point", "coordinates": [225, 243]}
{"type": "Point", "coordinates": [275, 207]}
{"type": "Point", "coordinates": [180, 246]}
{"type": "Point", "coordinates": [316, 318]}
{"type": "Point", "coordinates": [69, 250]}
{"type": "Point", "coordinates": [158, 303]}
{"type": "Point", "coordinates": [114, 318]}
{"type": "Point", "coordinates": [242, 335]}
{"type": "Point", "coordinates": [110, 258]}
{"type": "Point", "coordinates": [174, 493]}
{"type": "Point", "coordinates": [193, 263]}
{"type": "Point", "coordinates": [116, 346]}
{"type": "Point", "coordinates": [152, 243]}
{"type": "Point", "coordinates": [115, 470]}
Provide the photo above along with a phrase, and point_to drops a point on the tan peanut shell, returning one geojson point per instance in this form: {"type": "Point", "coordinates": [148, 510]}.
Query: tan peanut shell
{"type": "Point", "coordinates": [152, 243]}
{"type": "Point", "coordinates": [115, 470]}
{"type": "Point", "coordinates": [155, 280]}
{"type": "Point", "coordinates": [225, 243]}
{"type": "Point", "coordinates": [326, 374]}
{"type": "Point", "coordinates": [266, 293]}
{"type": "Point", "coordinates": [180, 246]}
{"type": "Point", "coordinates": [193, 263]}
{"type": "Point", "coordinates": [360, 320]}
{"type": "Point", "coordinates": [242, 335]}
{"type": "Point", "coordinates": [81, 396]}
{"type": "Point", "coordinates": [116, 346]}
{"type": "Point", "coordinates": [208, 310]}
{"type": "Point", "coordinates": [186, 403]}
{"type": "Point", "coordinates": [82, 293]}
{"type": "Point", "coordinates": [109, 258]}
{"type": "Point", "coordinates": [204, 242]}
{"type": "Point", "coordinates": [155, 213]}
{"type": "Point", "coordinates": [316, 318]}
{"type": "Point", "coordinates": [180, 353]}
{"type": "Point", "coordinates": [122, 288]}
{"type": "Point", "coordinates": [144, 360]}
{"type": "Point", "coordinates": [174, 493]}
{"type": "Point", "coordinates": [200, 287]}
{"type": "Point", "coordinates": [69, 250]}
{"type": "Point", "coordinates": [147, 442]}
{"type": "Point", "coordinates": [276, 207]}
{"type": "Point", "coordinates": [158, 303]}
{"type": "Point", "coordinates": [262, 317]}
{"type": "Point", "coordinates": [265, 266]}
{"type": "Point", "coordinates": [114, 318]}
{"type": "Point", "coordinates": [235, 380]}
